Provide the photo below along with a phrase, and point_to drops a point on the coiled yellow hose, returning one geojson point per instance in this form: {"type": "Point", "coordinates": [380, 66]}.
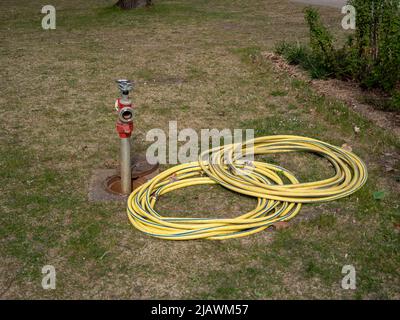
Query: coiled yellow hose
{"type": "Point", "coordinates": [280, 195]}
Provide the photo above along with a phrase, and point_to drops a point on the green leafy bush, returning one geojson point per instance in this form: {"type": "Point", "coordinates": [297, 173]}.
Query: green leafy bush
{"type": "Point", "coordinates": [321, 40]}
{"type": "Point", "coordinates": [299, 54]}
{"type": "Point", "coordinates": [370, 56]}
{"type": "Point", "coordinates": [378, 43]}
{"type": "Point", "coordinates": [394, 103]}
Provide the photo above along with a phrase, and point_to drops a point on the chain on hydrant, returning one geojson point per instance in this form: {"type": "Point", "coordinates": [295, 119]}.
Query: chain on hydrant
{"type": "Point", "coordinates": [124, 126]}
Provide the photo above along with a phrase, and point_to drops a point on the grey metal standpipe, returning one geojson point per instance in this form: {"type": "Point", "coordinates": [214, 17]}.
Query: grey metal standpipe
{"type": "Point", "coordinates": [124, 129]}
{"type": "Point", "coordinates": [126, 171]}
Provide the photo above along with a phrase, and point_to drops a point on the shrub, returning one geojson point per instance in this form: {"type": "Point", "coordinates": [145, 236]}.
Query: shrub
{"type": "Point", "coordinates": [299, 54]}
{"type": "Point", "coordinates": [370, 56]}
{"type": "Point", "coordinates": [394, 104]}
{"type": "Point", "coordinates": [378, 43]}
{"type": "Point", "coordinates": [321, 40]}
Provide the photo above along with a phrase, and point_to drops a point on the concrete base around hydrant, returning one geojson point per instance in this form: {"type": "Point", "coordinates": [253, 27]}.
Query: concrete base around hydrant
{"type": "Point", "coordinates": [97, 187]}
{"type": "Point", "coordinates": [105, 184]}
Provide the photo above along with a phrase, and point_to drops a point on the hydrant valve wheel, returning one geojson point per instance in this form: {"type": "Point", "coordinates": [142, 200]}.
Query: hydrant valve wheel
{"type": "Point", "coordinates": [125, 86]}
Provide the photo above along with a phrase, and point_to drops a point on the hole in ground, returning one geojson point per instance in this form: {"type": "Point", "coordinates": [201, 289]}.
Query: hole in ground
{"type": "Point", "coordinates": [113, 184]}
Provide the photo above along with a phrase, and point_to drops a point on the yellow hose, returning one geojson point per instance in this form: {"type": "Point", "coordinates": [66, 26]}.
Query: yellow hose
{"type": "Point", "coordinates": [280, 195]}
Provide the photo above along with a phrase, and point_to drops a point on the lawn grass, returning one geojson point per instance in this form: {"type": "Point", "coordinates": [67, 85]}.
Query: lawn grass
{"type": "Point", "coordinates": [199, 63]}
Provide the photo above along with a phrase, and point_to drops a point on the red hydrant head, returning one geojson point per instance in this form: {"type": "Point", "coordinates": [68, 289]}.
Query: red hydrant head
{"type": "Point", "coordinates": [124, 107]}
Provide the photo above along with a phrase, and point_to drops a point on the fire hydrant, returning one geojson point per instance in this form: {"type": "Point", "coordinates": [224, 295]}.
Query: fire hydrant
{"type": "Point", "coordinates": [124, 127]}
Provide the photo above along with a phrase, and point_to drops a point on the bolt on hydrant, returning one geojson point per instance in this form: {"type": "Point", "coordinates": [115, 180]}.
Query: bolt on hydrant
{"type": "Point", "coordinates": [124, 126]}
